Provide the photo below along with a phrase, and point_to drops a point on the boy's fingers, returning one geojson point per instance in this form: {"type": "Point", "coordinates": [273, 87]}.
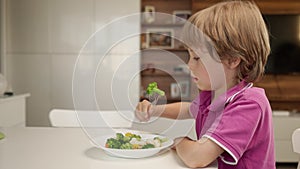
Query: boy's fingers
{"type": "Point", "coordinates": [145, 108]}
{"type": "Point", "coordinates": [139, 112]}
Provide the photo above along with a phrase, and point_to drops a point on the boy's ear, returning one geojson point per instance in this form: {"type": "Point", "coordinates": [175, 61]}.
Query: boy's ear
{"type": "Point", "coordinates": [233, 62]}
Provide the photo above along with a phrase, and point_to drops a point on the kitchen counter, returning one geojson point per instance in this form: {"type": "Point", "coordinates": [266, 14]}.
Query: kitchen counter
{"type": "Point", "coordinates": [13, 110]}
{"type": "Point", "coordinates": [4, 99]}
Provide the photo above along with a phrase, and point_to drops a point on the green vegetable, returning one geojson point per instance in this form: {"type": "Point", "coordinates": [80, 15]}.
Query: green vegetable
{"type": "Point", "coordinates": [138, 137]}
{"type": "Point", "coordinates": [126, 146]}
{"type": "Point", "coordinates": [120, 136]}
{"type": "Point", "coordinates": [1, 136]}
{"type": "Point", "coordinates": [113, 143]}
{"type": "Point", "coordinates": [148, 146]}
{"type": "Point", "coordinates": [152, 88]}
{"type": "Point", "coordinates": [130, 135]}
{"type": "Point", "coordinates": [161, 140]}
{"type": "Point", "coordinates": [123, 141]}
{"type": "Point", "coordinates": [126, 139]}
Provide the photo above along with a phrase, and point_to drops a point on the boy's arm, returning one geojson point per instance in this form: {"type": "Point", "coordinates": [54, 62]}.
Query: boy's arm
{"type": "Point", "coordinates": [179, 110]}
{"type": "Point", "coordinates": [197, 153]}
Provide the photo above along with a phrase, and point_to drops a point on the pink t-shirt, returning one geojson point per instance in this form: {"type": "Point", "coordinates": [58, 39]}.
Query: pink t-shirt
{"type": "Point", "coordinates": [240, 122]}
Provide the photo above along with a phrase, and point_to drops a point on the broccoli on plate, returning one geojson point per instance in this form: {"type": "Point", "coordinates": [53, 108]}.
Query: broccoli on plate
{"type": "Point", "coordinates": [132, 141]}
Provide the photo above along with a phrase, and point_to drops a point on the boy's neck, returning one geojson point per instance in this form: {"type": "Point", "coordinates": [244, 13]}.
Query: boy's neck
{"type": "Point", "coordinates": [223, 89]}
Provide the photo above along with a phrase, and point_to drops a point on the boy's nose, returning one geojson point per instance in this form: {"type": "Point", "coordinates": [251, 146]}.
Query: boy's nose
{"type": "Point", "coordinates": [189, 64]}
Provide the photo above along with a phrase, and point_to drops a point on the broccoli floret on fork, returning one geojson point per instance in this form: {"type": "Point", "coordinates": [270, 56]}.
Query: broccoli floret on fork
{"type": "Point", "coordinates": [153, 88]}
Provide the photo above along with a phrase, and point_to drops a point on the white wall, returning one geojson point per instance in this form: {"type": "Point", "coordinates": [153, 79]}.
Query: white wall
{"type": "Point", "coordinates": [2, 36]}
{"type": "Point", "coordinates": [43, 41]}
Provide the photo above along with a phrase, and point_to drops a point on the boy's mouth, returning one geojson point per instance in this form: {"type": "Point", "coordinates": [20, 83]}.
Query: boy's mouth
{"type": "Point", "coordinates": [195, 79]}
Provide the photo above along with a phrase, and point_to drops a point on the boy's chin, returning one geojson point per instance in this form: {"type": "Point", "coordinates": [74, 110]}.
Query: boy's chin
{"type": "Point", "coordinates": [203, 88]}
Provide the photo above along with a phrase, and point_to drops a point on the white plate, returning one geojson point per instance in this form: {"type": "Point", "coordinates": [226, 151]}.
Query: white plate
{"type": "Point", "coordinates": [132, 153]}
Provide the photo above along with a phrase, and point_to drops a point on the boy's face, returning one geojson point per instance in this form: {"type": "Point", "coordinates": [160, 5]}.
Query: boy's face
{"type": "Point", "coordinates": [198, 71]}
{"type": "Point", "coordinates": [207, 73]}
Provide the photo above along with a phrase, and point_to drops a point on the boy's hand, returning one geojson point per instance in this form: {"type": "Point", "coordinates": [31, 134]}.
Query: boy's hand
{"type": "Point", "coordinates": [144, 110]}
{"type": "Point", "coordinates": [176, 141]}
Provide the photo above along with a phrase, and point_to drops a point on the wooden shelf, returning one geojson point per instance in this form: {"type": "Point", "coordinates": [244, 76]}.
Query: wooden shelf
{"type": "Point", "coordinates": [282, 91]}
{"type": "Point", "coordinates": [279, 7]}
{"type": "Point", "coordinates": [157, 72]}
{"type": "Point", "coordinates": [168, 49]}
{"type": "Point", "coordinates": [162, 25]}
{"type": "Point", "coordinates": [155, 56]}
{"type": "Point", "coordinates": [168, 6]}
{"type": "Point", "coordinates": [266, 6]}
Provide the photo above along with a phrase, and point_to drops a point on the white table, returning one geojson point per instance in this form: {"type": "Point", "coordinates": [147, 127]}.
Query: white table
{"type": "Point", "coordinates": [68, 148]}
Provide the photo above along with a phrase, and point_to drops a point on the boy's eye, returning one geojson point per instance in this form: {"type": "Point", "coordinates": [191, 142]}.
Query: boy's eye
{"type": "Point", "coordinates": [196, 58]}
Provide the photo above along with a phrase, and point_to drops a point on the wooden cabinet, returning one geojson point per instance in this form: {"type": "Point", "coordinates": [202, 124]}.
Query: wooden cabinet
{"type": "Point", "coordinates": [282, 90]}
{"type": "Point", "coordinates": [167, 6]}
{"type": "Point", "coordinates": [266, 6]}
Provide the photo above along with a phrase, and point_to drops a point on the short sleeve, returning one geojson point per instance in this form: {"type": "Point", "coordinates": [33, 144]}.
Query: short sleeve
{"type": "Point", "coordinates": [235, 129]}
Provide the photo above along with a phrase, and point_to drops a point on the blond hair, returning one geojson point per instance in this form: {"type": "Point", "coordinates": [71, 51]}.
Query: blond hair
{"type": "Point", "coordinates": [236, 29]}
